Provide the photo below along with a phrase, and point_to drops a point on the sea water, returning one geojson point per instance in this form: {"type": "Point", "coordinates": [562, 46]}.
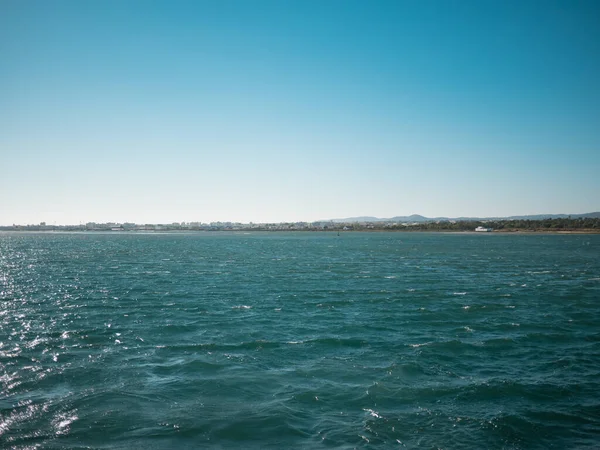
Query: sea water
{"type": "Point", "coordinates": [299, 340]}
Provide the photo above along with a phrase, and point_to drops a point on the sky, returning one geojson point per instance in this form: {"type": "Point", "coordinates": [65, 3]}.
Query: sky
{"type": "Point", "coordinates": [297, 110]}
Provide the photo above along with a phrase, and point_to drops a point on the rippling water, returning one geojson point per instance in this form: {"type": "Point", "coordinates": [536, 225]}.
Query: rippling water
{"type": "Point", "coordinates": [304, 340]}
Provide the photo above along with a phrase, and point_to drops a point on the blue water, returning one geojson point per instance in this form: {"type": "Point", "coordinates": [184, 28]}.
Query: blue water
{"type": "Point", "coordinates": [299, 340]}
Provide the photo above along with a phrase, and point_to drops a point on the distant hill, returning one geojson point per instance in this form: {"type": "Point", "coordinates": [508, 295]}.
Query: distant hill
{"type": "Point", "coordinates": [416, 218]}
{"type": "Point", "coordinates": [413, 218]}
{"type": "Point", "coordinates": [356, 219]}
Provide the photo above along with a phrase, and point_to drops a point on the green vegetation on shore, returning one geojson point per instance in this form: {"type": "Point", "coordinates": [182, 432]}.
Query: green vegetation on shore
{"type": "Point", "coordinates": [579, 224]}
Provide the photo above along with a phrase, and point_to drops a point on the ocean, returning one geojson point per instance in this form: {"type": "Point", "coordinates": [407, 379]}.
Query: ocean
{"type": "Point", "coordinates": [299, 340]}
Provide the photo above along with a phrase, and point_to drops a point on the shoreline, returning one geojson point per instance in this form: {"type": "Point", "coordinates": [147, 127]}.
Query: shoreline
{"type": "Point", "coordinates": [120, 232]}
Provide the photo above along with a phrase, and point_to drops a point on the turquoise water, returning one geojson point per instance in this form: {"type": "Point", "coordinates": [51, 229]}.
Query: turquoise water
{"type": "Point", "coordinates": [299, 340]}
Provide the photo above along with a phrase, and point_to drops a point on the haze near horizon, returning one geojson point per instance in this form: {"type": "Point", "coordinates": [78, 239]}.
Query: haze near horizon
{"type": "Point", "coordinates": [270, 111]}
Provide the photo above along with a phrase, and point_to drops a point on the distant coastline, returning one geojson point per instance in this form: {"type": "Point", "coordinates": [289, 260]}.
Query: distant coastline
{"type": "Point", "coordinates": [579, 225]}
{"type": "Point", "coordinates": [377, 230]}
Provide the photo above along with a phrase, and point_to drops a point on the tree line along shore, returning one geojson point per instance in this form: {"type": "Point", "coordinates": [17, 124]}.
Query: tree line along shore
{"type": "Point", "coordinates": [590, 225]}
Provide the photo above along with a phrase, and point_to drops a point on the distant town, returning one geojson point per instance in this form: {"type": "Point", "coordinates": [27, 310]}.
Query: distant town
{"type": "Point", "coordinates": [584, 223]}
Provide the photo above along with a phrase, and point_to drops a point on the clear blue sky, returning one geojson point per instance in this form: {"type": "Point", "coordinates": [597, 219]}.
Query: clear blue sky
{"type": "Point", "coordinates": [164, 111]}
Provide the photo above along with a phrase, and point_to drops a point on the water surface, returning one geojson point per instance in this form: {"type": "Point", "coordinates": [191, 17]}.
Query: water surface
{"type": "Point", "coordinates": [303, 340]}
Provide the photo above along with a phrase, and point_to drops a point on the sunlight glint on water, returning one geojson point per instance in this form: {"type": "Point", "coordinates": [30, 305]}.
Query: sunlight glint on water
{"type": "Point", "coordinates": [299, 340]}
